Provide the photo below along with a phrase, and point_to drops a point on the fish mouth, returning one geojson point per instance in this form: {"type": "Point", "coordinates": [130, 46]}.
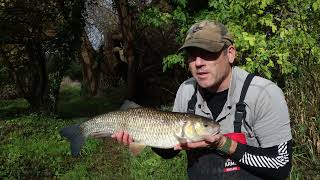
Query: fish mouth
{"type": "Point", "coordinates": [216, 131]}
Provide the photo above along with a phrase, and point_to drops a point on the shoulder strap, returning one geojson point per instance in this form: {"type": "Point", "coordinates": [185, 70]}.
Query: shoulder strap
{"type": "Point", "coordinates": [192, 102]}
{"type": "Point", "coordinates": [241, 105]}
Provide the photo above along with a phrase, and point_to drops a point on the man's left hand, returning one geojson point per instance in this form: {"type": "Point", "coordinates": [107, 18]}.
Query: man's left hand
{"type": "Point", "coordinates": [213, 141]}
{"type": "Point", "coordinates": [209, 141]}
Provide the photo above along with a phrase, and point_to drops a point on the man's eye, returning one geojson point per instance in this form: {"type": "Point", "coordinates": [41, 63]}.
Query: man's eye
{"type": "Point", "coordinates": [191, 58]}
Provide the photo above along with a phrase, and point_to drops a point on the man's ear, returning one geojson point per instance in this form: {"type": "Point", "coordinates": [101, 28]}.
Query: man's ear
{"type": "Point", "coordinates": [231, 53]}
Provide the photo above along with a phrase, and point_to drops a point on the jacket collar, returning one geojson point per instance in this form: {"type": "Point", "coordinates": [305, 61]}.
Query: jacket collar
{"type": "Point", "coordinates": [237, 80]}
{"type": "Point", "coordinates": [232, 86]}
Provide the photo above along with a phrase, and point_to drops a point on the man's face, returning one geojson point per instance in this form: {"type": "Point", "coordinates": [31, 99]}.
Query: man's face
{"type": "Point", "coordinates": [211, 70]}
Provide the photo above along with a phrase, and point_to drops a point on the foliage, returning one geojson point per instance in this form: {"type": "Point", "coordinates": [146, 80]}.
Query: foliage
{"type": "Point", "coordinates": [271, 36]}
{"type": "Point", "coordinates": [171, 60]}
{"type": "Point", "coordinates": [159, 18]}
{"type": "Point", "coordinates": [303, 99]}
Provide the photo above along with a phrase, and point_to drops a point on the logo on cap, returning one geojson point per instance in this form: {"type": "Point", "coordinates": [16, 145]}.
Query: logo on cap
{"type": "Point", "coordinates": [196, 29]}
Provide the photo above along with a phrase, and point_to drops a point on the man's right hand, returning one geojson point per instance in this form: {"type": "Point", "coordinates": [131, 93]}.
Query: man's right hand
{"type": "Point", "coordinates": [122, 137]}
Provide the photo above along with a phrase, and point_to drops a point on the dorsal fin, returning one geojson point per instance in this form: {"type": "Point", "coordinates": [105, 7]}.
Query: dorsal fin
{"type": "Point", "coordinates": [127, 104]}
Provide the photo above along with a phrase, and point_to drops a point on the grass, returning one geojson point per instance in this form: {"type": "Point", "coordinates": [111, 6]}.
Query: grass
{"type": "Point", "coordinates": [303, 96]}
{"type": "Point", "coordinates": [148, 165]}
{"type": "Point", "coordinates": [72, 104]}
{"type": "Point", "coordinates": [32, 148]}
{"type": "Point", "coordinates": [13, 108]}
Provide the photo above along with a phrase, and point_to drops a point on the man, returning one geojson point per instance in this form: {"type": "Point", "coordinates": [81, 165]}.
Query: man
{"type": "Point", "coordinates": [255, 138]}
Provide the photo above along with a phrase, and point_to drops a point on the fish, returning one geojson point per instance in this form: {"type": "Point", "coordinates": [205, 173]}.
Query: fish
{"type": "Point", "coordinates": [147, 126]}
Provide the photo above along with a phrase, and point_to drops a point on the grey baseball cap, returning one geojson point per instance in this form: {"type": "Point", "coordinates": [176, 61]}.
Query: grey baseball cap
{"type": "Point", "coordinates": [208, 35]}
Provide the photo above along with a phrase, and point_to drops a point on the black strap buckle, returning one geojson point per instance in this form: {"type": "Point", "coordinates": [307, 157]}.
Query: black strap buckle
{"type": "Point", "coordinates": [192, 102]}
{"type": "Point", "coordinates": [241, 107]}
{"type": "Point", "coordinates": [240, 115]}
{"type": "Point", "coordinates": [191, 110]}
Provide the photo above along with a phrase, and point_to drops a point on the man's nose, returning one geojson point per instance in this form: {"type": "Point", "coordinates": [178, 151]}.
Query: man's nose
{"type": "Point", "coordinates": [199, 61]}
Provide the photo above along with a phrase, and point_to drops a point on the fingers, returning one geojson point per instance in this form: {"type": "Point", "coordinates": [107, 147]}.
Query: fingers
{"type": "Point", "coordinates": [188, 146]}
{"type": "Point", "coordinates": [183, 146]}
{"type": "Point", "coordinates": [178, 147]}
{"type": "Point", "coordinates": [214, 140]}
{"type": "Point", "coordinates": [199, 144]}
{"type": "Point", "coordinates": [209, 141]}
{"type": "Point", "coordinates": [122, 138]}
{"type": "Point", "coordinates": [130, 139]}
{"type": "Point", "coordinates": [125, 138]}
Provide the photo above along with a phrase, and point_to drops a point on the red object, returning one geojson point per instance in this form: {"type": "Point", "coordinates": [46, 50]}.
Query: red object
{"type": "Point", "coordinates": [236, 168]}
{"type": "Point", "coordinates": [238, 137]}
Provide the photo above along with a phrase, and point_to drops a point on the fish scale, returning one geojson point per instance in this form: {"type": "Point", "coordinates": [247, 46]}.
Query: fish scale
{"type": "Point", "coordinates": [148, 127]}
{"type": "Point", "coordinates": [151, 127]}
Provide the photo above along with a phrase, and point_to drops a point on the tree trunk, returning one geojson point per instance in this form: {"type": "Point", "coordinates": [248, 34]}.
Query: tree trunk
{"type": "Point", "coordinates": [32, 80]}
{"type": "Point", "coordinates": [89, 67]}
{"type": "Point", "coordinates": [127, 29]}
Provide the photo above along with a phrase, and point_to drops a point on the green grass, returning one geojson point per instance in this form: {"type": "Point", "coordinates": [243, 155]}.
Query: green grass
{"type": "Point", "coordinates": [13, 108]}
{"type": "Point", "coordinates": [72, 104]}
{"type": "Point", "coordinates": [148, 165]}
{"type": "Point", "coordinates": [303, 98]}
{"type": "Point", "coordinates": [32, 148]}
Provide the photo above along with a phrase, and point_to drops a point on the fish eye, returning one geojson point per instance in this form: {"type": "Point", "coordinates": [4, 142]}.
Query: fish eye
{"type": "Point", "coordinates": [206, 125]}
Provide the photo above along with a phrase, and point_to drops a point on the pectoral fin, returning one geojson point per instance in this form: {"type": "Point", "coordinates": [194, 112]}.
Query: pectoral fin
{"type": "Point", "coordinates": [181, 139]}
{"type": "Point", "coordinates": [136, 148]}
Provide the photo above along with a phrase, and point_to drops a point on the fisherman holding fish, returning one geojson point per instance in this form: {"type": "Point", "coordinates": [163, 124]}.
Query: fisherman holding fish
{"type": "Point", "coordinates": [255, 140]}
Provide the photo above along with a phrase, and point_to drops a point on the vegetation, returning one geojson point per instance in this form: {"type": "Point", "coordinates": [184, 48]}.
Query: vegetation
{"type": "Point", "coordinates": [31, 147]}
{"type": "Point", "coordinates": [38, 42]}
{"type": "Point", "coordinates": [43, 41]}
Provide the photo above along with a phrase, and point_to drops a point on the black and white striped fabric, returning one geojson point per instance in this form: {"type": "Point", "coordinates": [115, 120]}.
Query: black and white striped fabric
{"type": "Point", "coordinates": [266, 162]}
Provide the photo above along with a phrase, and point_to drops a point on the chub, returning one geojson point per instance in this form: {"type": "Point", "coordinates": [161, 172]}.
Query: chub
{"type": "Point", "coordinates": [148, 127]}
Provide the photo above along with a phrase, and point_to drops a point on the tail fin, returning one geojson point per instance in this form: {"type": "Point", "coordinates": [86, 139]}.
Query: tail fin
{"type": "Point", "coordinates": [76, 138]}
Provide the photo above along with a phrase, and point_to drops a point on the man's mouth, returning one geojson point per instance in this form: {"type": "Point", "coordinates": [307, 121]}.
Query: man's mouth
{"type": "Point", "coordinates": [202, 74]}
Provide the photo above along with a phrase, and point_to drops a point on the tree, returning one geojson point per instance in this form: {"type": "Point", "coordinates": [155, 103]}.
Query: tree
{"type": "Point", "coordinates": [34, 31]}
{"type": "Point", "coordinates": [125, 15]}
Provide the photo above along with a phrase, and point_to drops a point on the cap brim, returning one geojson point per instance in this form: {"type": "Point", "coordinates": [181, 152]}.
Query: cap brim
{"type": "Point", "coordinates": [210, 46]}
